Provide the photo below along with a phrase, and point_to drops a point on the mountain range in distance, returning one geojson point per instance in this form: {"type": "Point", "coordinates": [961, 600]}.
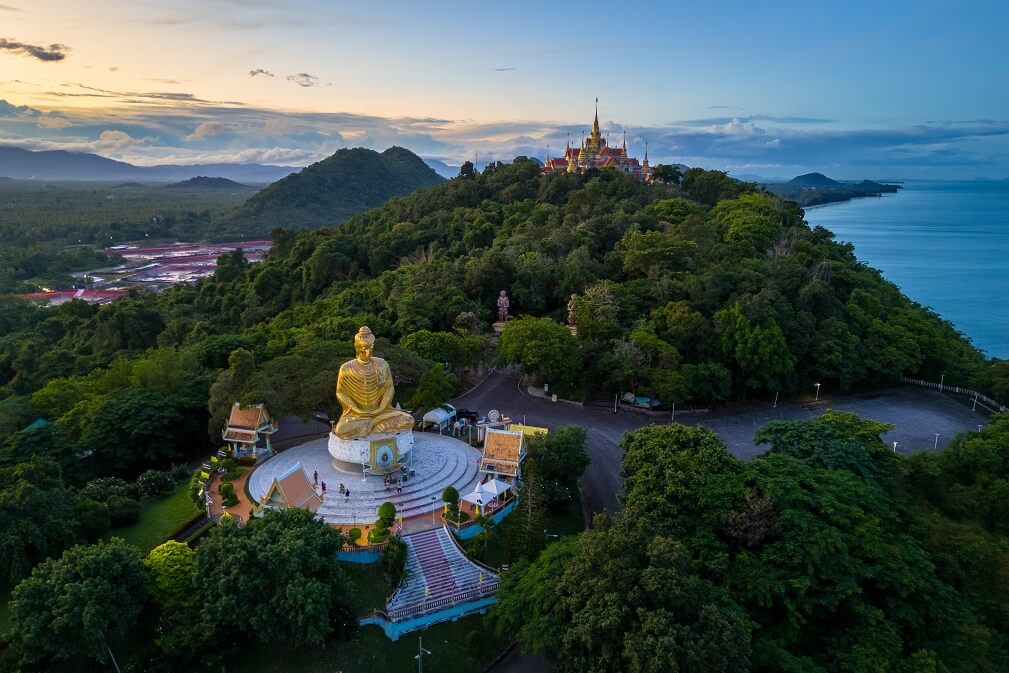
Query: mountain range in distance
{"type": "Point", "coordinates": [814, 189]}
{"type": "Point", "coordinates": [22, 164]}
{"type": "Point", "coordinates": [17, 163]}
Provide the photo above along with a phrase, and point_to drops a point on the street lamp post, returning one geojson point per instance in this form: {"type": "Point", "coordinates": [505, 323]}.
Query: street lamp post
{"type": "Point", "coordinates": [895, 447]}
{"type": "Point", "coordinates": [672, 418]}
{"type": "Point", "coordinates": [942, 377]}
{"type": "Point", "coordinates": [420, 654]}
{"type": "Point", "coordinates": [936, 446]}
{"type": "Point", "coordinates": [817, 392]}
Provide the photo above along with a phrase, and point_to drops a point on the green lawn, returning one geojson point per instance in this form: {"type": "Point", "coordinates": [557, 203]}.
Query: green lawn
{"type": "Point", "coordinates": [372, 587]}
{"type": "Point", "coordinates": [160, 518]}
{"type": "Point", "coordinates": [370, 651]}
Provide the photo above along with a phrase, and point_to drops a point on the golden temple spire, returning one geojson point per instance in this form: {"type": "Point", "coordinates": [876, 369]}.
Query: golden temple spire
{"type": "Point", "coordinates": [595, 125]}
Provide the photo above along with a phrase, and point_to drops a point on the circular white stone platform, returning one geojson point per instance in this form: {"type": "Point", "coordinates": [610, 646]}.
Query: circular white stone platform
{"type": "Point", "coordinates": [437, 460]}
{"type": "Point", "coordinates": [351, 454]}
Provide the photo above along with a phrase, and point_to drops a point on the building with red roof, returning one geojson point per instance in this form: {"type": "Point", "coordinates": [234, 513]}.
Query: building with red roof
{"type": "Point", "coordinates": [595, 152]}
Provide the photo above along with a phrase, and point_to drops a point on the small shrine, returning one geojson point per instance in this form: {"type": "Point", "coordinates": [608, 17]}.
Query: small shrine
{"type": "Point", "coordinates": [486, 498]}
{"type": "Point", "coordinates": [248, 431]}
{"type": "Point", "coordinates": [503, 452]}
{"type": "Point", "coordinates": [292, 488]}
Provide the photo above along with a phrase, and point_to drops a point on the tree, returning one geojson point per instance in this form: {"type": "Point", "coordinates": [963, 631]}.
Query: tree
{"type": "Point", "coordinates": [281, 574]}
{"type": "Point", "coordinates": [444, 348]}
{"type": "Point", "coordinates": [615, 600]}
{"type": "Point", "coordinates": [182, 632]}
{"type": "Point", "coordinates": [71, 610]}
{"type": "Point", "coordinates": [135, 428]}
{"type": "Point", "coordinates": [759, 352]}
{"type": "Point", "coordinates": [561, 459]}
{"type": "Point", "coordinates": [667, 174]}
{"type": "Point", "coordinates": [36, 516]}
{"type": "Point", "coordinates": [652, 253]}
{"type": "Point", "coordinates": [435, 388]}
{"type": "Point", "coordinates": [524, 530]}
{"type": "Point", "coordinates": [545, 349]}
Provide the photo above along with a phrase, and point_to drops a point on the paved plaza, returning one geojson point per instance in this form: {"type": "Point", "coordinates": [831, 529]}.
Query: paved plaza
{"type": "Point", "coordinates": [436, 460]}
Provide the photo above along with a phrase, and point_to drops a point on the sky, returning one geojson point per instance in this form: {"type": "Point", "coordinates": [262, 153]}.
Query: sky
{"type": "Point", "coordinates": [882, 90]}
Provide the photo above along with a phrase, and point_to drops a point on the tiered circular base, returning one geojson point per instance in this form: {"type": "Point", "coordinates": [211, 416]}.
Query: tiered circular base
{"type": "Point", "coordinates": [437, 461]}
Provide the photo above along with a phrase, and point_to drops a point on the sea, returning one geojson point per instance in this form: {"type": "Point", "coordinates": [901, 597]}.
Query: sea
{"type": "Point", "coordinates": [945, 244]}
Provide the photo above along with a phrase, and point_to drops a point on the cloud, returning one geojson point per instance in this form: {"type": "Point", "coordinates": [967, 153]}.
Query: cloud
{"type": "Point", "coordinates": [114, 68]}
{"type": "Point", "coordinates": [162, 80]}
{"type": "Point", "coordinates": [11, 110]}
{"type": "Point", "coordinates": [54, 52]}
{"type": "Point", "coordinates": [260, 71]}
{"type": "Point", "coordinates": [505, 69]}
{"type": "Point", "coordinates": [303, 79]}
{"type": "Point", "coordinates": [210, 129]}
{"type": "Point", "coordinates": [8, 8]}
{"type": "Point", "coordinates": [181, 128]}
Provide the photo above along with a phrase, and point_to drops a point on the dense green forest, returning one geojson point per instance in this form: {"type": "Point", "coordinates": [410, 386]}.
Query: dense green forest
{"type": "Point", "coordinates": [105, 214]}
{"type": "Point", "coordinates": [827, 554]}
{"type": "Point", "coordinates": [697, 293]}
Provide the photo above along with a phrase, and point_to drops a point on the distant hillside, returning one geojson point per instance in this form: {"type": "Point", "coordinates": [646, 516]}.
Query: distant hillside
{"type": "Point", "coordinates": [60, 165]}
{"type": "Point", "coordinates": [331, 191]}
{"type": "Point", "coordinates": [441, 168]}
{"type": "Point", "coordinates": [204, 182]}
{"type": "Point", "coordinates": [813, 180]}
{"type": "Point", "coordinates": [814, 189]}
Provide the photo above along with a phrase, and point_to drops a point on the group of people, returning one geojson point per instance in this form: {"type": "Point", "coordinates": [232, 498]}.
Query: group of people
{"type": "Point", "coordinates": [344, 491]}
{"type": "Point", "coordinates": [389, 480]}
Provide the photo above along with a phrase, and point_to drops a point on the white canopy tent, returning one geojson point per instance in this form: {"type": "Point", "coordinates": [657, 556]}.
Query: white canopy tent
{"type": "Point", "coordinates": [486, 492]}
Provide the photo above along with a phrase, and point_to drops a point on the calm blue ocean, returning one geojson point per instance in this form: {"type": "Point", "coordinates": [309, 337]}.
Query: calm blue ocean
{"type": "Point", "coordinates": [945, 244]}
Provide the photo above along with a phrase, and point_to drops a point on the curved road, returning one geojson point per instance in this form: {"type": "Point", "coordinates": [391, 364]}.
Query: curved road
{"type": "Point", "coordinates": [917, 414]}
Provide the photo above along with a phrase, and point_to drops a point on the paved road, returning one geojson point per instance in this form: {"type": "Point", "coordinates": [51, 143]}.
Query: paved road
{"type": "Point", "coordinates": [916, 413]}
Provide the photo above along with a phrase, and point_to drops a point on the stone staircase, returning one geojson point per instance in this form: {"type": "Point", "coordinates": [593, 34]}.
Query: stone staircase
{"type": "Point", "coordinates": [420, 495]}
{"type": "Point", "coordinates": [439, 576]}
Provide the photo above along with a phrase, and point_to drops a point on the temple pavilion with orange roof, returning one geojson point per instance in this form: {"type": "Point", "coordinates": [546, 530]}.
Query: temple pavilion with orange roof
{"type": "Point", "coordinates": [595, 152]}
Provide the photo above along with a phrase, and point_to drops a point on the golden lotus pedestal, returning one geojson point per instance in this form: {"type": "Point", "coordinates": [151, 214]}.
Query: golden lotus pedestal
{"type": "Point", "coordinates": [379, 453]}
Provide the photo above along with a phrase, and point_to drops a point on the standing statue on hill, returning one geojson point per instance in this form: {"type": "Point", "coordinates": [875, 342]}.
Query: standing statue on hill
{"type": "Point", "coordinates": [503, 303]}
{"type": "Point", "coordinates": [571, 310]}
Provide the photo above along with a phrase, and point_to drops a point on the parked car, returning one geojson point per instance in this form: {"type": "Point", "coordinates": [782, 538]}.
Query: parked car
{"type": "Point", "coordinates": [468, 414]}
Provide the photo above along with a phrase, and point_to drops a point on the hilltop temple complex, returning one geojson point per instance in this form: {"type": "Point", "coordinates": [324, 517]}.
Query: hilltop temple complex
{"type": "Point", "coordinates": [595, 152]}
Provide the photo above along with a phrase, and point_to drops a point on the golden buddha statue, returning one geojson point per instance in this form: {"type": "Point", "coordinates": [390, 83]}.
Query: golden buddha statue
{"type": "Point", "coordinates": [364, 390]}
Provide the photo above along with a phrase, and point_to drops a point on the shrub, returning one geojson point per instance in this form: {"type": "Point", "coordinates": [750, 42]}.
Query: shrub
{"type": "Point", "coordinates": [354, 534]}
{"type": "Point", "coordinates": [195, 486]}
{"type": "Point", "coordinates": [386, 514]}
{"type": "Point", "coordinates": [92, 516]}
{"type": "Point", "coordinates": [450, 495]}
{"type": "Point", "coordinates": [122, 511]}
{"type": "Point", "coordinates": [228, 496]}
{"type": "Point", "coordinates": [178, 473]}
{"type": "Point", "coordinates": [103, 488]}
{"type": "Point", "coordinates": [378, 535]}
{"type": "Point", "coordinates": [153, 482]}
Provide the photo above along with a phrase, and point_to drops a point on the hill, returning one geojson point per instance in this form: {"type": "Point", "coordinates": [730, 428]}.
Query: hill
{"type": "Point", "coordinates": [23, 164]}
{"type": "Point", "coordinates": [813, 180]}
{"type": "Point", "coordinates": [331, 191]}
{"type": "Point", "coordinates": [446, 171]}
{"type": "Point", "coordinates": [203, 182]}
{"type": "Point", "coordinates": [814, 189]}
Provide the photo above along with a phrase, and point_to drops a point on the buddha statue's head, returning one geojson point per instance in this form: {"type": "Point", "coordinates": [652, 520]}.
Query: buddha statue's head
{"type": "Point", "coordinates": [364, 344]}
